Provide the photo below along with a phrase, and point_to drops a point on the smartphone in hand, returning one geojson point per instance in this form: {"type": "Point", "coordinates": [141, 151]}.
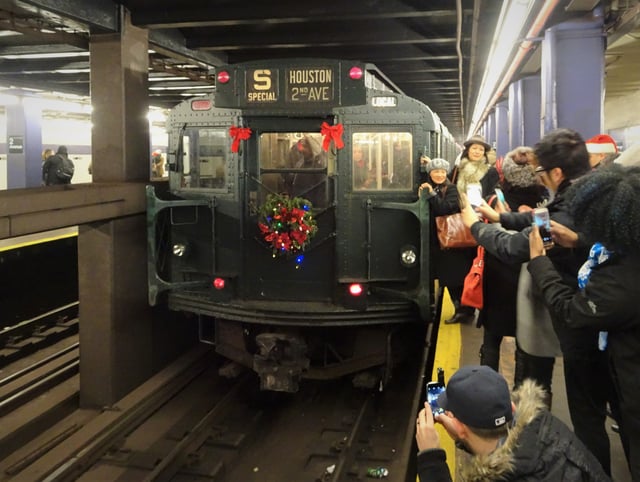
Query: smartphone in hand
{"type": "Point", "coordinates": [542, 220]}
{"type": "Point", "coordinates": [500, 196]}
{"type": "Point", "coordinates": [474, 194]}
{"type": "Point", "coordinates": [434, 389]}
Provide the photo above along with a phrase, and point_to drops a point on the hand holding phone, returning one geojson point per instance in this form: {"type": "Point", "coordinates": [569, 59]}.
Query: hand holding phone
{"type": "Point", "coordinates": [474, 194]}
{"type": "Point", "coordinates": [542, 220]}
{"type": "Point", "coordinates": [434, 389]}
{"type": "Point", "coordinates": [500, 196]}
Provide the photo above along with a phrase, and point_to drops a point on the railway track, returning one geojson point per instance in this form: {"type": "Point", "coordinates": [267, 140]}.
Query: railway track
{"type": "Point", "coordinates": [188, 423]}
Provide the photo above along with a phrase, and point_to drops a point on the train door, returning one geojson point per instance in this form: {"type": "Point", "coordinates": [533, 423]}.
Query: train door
{"type": "Point", "coordinates": [285, 158]}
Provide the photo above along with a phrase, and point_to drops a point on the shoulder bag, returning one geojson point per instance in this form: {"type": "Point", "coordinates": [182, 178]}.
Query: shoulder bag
{"type": "Point", "coordinates": [472, 294]}
{"type": "Point", "coordinates": [452, 232]}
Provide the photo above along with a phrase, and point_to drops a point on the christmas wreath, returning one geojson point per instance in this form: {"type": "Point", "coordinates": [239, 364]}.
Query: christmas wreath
{"type": "Point", "coordinates": [286, 224]}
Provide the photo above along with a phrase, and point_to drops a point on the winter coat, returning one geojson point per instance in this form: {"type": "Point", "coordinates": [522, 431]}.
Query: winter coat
{"type": "Point", "coordinates": [609, 302]}
{"type": "Point", "coordinates": [470, 172]}
{"type": "Point", "coordinates": [450, 266]}
{"type": "Point", "coordinates": [539, 447]}
{"type": "Point", "coordinates": [513, 247]}
{"type": "Point", "coordinates": [500, 280]}
{"type": "Point", "coordinates": [50, 169]}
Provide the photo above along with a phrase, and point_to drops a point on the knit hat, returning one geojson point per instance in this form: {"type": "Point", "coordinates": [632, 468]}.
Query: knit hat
{"type": "Point", "coordinates": [437, 163]}
{"type": "Point", "coordinates": [518, 174]}
{"type": "Point", "coordinates": [62, 150]}
{"type": "Point", "coordinates": [477, 140]}
{"type": "Point", "coordinates": [478, 396]}
{"type": "Point", "coordinates": [602, 144]}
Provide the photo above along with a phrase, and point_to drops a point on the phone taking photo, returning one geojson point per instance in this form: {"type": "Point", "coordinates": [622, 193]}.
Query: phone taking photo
{"type": "Point", "coordinates": [542, 220]}
{"type": "Point", "coordinates": [434, 389]}
{"type": "Point", "coordinates": [474, 194]}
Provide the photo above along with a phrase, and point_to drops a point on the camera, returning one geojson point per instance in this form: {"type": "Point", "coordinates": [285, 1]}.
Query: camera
{"type": "Point", "coordinates": [542, 220]}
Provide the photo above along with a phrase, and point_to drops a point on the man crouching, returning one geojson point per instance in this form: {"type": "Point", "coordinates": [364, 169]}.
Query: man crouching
{"type": "Point", "coordinates": [509, 440]}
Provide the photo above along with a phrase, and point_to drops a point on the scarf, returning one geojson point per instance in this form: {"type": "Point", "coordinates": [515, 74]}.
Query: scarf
{"type": "Point", "coordinates": [598, 254]}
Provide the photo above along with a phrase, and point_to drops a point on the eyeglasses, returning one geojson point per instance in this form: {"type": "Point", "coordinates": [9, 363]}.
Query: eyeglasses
{"type": "Point", "coordinates": [540, 170]}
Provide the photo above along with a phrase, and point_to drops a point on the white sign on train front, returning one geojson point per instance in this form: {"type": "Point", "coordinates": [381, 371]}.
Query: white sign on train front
{"type": "Point", "coordinates": [384, 101]}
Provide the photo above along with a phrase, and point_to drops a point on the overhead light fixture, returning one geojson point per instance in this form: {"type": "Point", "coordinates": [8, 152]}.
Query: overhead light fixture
{"type": "Point", "coordinates": [51, 55]}
{"type": "Point", "coordinates": [497, 86]}
{"type": "Point", "coordinates": [509, 29]}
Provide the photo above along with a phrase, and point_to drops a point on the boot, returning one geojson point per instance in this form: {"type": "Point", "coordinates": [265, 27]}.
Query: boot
{"type": "Point", "coordinates": [489, 357]}
{"type": "Point", "coordinates": [460, 317]}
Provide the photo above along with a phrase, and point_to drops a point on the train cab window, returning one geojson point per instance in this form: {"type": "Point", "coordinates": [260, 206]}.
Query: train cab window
{"type": "Point", "coordinates": [382, 161]}
{"type": "Point", "coordinates": [294, 163]}
{"type": "Point", "coordinates": [203, 159]}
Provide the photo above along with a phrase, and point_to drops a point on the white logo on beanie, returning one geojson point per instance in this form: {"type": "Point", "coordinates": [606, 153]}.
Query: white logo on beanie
{"type": "Point", "coordinates": [500, 421]}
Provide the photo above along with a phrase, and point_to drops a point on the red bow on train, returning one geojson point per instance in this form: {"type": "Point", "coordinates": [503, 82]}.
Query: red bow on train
{"type": "Point", "coordinates": [331, 133]}
{"type": "Point", "coordinates": [238, 134]}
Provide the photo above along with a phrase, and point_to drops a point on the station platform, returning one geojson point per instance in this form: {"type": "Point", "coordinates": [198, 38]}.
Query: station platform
{"type": "Point", "coordinates": [459, 345]}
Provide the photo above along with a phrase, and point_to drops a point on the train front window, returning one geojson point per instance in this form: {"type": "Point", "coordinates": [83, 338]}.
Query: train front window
{"type": "Point", "coordinates": [382, 161]}
{"type": "Point", "coordinates": [203, 159]}
{"type": "Point", "coordinates": [294, 163]}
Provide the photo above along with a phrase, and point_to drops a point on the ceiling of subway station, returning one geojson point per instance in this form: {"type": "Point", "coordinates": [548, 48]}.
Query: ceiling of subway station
{"type": "Point", "coordinates": [435, 50]}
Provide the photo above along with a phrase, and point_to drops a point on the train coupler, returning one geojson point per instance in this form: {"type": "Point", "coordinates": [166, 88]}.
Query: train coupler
{"type": "Point", "coordinates": [280, 361]}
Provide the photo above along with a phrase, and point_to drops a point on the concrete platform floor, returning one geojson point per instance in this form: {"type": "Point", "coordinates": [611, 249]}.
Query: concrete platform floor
{"type": "Point", "coordinates": [470, 340]}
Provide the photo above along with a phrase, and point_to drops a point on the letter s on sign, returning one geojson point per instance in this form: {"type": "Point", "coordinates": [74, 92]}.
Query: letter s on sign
{"type": "Point", "coordinates": [262, 80]}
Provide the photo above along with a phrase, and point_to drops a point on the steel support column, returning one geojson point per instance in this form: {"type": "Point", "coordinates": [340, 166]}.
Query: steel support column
{"type": "Point", "coordinates": [573, 77]}
{"type": "Point", "coordinates": [24, 144]}
{"type": "Point", "coordinates": [524, 112]}
{"type": "Point", "coordinates": [502, 129]}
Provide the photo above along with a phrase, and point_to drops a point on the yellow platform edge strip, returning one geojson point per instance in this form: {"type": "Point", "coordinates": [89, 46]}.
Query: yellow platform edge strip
{"type": "Point", "coordinates": [37, 241]}
{"type": "Point", "coordinates": [448, 352]}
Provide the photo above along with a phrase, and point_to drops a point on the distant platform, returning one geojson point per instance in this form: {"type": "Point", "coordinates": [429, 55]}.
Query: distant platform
{"type": "Point", "coordinates": [37, 238]}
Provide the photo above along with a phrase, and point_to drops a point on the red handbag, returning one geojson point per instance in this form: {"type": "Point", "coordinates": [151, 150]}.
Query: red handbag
{"type": "Point", "coordinates": [472, 289]}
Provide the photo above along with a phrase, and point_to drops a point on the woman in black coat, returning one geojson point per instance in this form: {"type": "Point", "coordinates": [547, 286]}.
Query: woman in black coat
{"type": "Point", "coordinates": [450, 266]}
{"type": "Point", "coordinates": [500, 281]}
{"type": "Point", "coordinates": [606, 209]}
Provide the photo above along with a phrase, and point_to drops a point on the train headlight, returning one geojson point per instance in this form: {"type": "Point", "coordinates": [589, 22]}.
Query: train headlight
{"type": "Point", "coordinates": [179, 250]}
{"type": "Point", "coordinates": [408, 256]}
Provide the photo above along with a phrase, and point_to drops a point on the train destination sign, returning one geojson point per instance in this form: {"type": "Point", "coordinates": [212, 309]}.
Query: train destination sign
{"type": "Point", "coordinates": [262, 86]}
{"type": "Point", "coordinates": [309, 84]}
{"type": "Point", "coordinates": [302, 85]}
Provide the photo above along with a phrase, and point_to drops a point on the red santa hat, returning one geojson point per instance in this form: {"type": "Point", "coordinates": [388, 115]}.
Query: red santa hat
{"type": "Point", "coordinates": [602, 144]}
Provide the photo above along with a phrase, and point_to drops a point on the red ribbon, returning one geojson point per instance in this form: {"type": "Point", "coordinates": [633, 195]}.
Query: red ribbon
{"type": "Point", "coordinates": [331, 133]}
{"type": "Point", "coordinates": [238, 134]}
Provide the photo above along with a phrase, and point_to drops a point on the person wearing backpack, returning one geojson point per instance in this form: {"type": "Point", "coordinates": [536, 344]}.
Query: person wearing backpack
{"type": "Point", "coordinates": [58, 169]}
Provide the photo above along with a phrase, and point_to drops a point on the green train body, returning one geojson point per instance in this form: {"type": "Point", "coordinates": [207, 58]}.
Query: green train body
{"type": "Point", "coordinates": [359, 287]}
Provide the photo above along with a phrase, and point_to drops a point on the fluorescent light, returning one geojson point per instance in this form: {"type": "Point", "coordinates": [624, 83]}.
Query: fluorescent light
{"type": "Point", "coordinates": [188, 87]}
{"type": "Point", "coordinates": [45, 56]}
{"type": "Point", "coordinates": [509, 30]}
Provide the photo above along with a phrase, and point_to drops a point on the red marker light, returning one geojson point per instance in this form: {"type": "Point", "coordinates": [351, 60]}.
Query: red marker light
{"type": "Point", "coordinates": [355, 289]}
{"type": "Point", "coordinates": [223, 77]}
{"type": "Point", "coordinates": [219, 283]}
{"type": "Point", "coordinates": [200, 105]}
{"type": "Point", "coordinates": [355, 73]}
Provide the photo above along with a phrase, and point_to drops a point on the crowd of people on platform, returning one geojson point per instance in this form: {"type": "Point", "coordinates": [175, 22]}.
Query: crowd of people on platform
{"type": "Point", "coordinates": [576, 299]}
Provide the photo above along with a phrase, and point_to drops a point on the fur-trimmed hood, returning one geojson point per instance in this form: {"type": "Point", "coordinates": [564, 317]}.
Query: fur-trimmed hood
{"type": "Point", "coordinates": [529, 400]}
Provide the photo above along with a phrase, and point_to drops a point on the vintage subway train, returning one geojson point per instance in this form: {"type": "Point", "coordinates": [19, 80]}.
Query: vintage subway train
{"type": "Point", "coordinates": [292, 226]}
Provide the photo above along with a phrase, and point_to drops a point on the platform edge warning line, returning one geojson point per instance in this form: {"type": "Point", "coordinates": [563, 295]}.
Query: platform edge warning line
{"type": "Point", "coordinates": [448, 352]}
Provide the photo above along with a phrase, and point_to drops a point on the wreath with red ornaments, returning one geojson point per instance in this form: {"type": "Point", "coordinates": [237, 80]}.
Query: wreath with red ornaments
{"type": "Point", "coordinates": [286, 224]}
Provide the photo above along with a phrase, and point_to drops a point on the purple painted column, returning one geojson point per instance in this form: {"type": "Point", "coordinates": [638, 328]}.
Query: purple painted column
{"type": "Point", "coordinates": [24, 144]}
{"type": "Point", "coordinates": [572, 77]}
